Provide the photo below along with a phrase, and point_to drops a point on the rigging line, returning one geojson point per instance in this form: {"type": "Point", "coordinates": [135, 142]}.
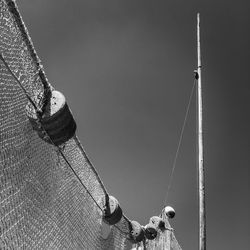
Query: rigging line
{"type": "Point", "coordinates": [59, 149]}
{"type": "Point", "coordinates": [179, 143]}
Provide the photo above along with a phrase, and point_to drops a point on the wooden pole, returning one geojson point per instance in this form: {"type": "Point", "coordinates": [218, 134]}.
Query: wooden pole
{"type": "Point", "coordinates": [202, 211]}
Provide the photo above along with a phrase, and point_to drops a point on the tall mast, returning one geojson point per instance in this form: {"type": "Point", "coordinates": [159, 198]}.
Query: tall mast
{"type": "Point", "coordinates": [202, 210]}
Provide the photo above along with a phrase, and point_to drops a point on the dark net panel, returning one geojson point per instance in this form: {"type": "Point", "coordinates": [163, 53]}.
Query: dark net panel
{"type": "Point", "coordinates": [43, 205]}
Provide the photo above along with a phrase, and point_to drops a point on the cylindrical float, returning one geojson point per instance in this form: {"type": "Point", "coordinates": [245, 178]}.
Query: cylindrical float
{"type": "Point", "coordinates": [137, 233]}
{"type": "Point", "coordinates": [113, 213]}
{"type": "Point", "coordinates": [157, 222]}
{"type": "Point", "coordinates": [57, 120]}
{"type": "Point", "coordinates": [150, 232]}
{"type": "Point", "coordinates": [169, 211]}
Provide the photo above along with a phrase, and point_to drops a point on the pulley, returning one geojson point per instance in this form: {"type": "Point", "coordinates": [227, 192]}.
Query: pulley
{"type": "Point", "coordinates": [113, 211]}
{"type": "Point", "coordinates": [57, 125]}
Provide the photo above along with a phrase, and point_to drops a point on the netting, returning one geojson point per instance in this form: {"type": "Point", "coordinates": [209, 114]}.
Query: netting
{"type": "Point", "coordinates": [42, 202]}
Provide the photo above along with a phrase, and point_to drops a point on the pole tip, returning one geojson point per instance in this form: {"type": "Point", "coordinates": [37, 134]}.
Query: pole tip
{"type": "Point", "coordinates": [198, 17]}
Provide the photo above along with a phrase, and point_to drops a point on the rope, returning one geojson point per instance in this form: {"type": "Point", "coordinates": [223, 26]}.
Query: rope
{"type": "Point", "coordinates": [179, 143]}
{"type": "Point", "coordinates": [59, 149]}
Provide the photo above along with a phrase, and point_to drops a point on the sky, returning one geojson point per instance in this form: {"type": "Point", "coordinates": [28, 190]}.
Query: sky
{"type": "Point", "coordinates": [126, 69]}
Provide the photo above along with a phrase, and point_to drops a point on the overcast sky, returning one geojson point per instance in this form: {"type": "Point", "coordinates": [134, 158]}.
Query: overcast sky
{"type": "Point", "coordinates": [126, 69]}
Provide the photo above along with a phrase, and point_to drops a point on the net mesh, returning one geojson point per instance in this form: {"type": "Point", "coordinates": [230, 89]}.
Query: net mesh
{"type": "Point", "coordinates": [42, 203]}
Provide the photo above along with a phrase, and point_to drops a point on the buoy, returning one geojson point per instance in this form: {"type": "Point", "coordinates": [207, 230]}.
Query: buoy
{"type": "Point", "coordinates": [137, 232]}
{"type": "Point", "coordinates": [157, 222]}
{"type": "Point", "coordinates": [113, 213]}
{"type": "Point", "coordinates": [57, 120]}
{"type": "Point", "coordinates": [150, 232]}
{"type": "Point", "coordinates": [169, 211]}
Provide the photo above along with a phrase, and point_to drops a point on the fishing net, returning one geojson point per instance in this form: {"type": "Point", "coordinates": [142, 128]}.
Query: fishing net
{"type": "Point", "coordinates": [43, 203]}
